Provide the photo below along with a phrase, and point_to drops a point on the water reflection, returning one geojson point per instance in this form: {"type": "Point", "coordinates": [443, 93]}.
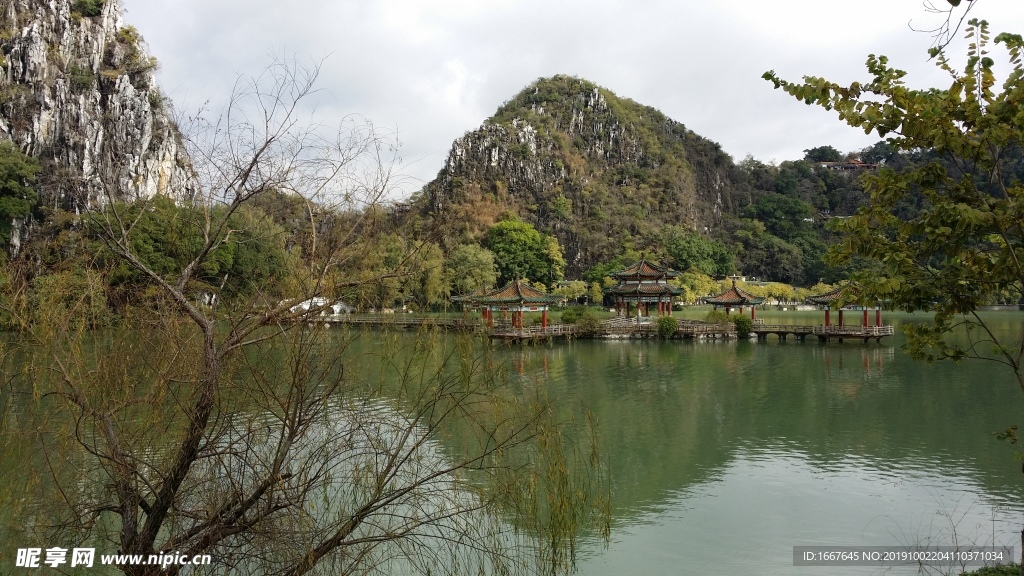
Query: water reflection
{"type": "Point", "coordinates": [725, 455]}
{"type": "Point", "coordinates": [770, 499]}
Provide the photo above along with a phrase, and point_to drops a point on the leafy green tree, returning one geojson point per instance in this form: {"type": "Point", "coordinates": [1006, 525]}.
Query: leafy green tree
{"type": "Point", "coordinates": [520, 251]}
{"type": "Point", "coordinates": [667, 326]}
{"type": "Point", "coordinates": [17, 197]}
{"type": "Point", "coordinates": [470, 268]}
{"type": "Point", "coordinates": [964, 247]}
{"type": "Point", "coordinates": [571, 291]}
{"type": "Point", "coordinates": [783, 216]}
{"type": "Point", "coordinates": [249, 257]}
{"type": "Point", "coordinates": [691, 250]}
{"type": "Point", "coordinates": [425, 283]}
{"type": "Point", "coordinates": [767, 256]}
{"type": "Point", "coordinates": [596, 294]}
{"type": "Point", "coordinates": [695, 286]}
{"type": "Point", "coordinates": [555, 261]}
{"type": "Point", "coordinates": [601, 272]}
{"type": "Point", "coordinates": [822, 154]}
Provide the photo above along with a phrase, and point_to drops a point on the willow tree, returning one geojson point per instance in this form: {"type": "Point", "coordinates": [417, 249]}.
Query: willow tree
{"type": "Point", "coordinates": [219, 421]}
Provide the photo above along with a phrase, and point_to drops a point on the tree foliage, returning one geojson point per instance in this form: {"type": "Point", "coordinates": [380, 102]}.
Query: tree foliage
{"type": "Point", "coordinates": [520, 251]}
{"type": "Point", "coordinates": [945, 235]}
{"type": "Point", "coordinates": [17, 195]}
{"type": "Point", "coordinates": [822, 154]}
{"type": "Point", "coordinates": [691, 250]}
{"type": "Point", "coordinates": [470, 269]}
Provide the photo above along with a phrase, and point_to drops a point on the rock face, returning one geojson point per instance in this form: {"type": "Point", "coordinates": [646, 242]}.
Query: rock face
{"type": "Point", "coordinates": [77, 91]}
{"type": "Point", "coordinates": [598, 171]}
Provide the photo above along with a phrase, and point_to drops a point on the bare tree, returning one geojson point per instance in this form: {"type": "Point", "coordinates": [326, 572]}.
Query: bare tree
{"type": "Point", "coordinates": [952, 19]}
{"type": "Point", "coordinates": [240, 431]}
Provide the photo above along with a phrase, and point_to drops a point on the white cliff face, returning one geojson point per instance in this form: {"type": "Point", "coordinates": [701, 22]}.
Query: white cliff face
{"type": "Point", "coordinates": [78, 93]}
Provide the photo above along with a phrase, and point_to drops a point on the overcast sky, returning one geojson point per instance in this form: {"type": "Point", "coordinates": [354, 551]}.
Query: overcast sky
{"type": "Point", "coordinates": [433, 70]}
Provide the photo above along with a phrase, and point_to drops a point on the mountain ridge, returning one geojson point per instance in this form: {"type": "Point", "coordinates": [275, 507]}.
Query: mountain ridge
{"type": "Point", "coordinates": [595, 170]}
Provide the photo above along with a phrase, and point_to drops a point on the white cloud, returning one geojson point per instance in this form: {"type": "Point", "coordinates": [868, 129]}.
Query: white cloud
{"type": "Point", "coordinates": [435, 69]}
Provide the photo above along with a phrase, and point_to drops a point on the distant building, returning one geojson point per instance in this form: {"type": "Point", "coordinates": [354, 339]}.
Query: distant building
{"type": "Point", "coordinates": [643, 284]}
{"type": "Point", "coordinates": [847, 165]}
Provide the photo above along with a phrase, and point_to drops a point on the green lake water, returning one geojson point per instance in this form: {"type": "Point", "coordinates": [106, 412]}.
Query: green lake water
{"type": "Point", "coordinates": [726, 455]}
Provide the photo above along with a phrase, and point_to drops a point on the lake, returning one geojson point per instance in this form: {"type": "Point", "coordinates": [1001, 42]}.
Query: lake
{"type": "Point", "coordinates": [725, 455]}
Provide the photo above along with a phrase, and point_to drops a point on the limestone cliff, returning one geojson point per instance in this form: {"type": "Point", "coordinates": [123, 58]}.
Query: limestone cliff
{"type": "Point", "coordinates": [77, 91]}
{"type": "Point", "coordinates": [598, 171]}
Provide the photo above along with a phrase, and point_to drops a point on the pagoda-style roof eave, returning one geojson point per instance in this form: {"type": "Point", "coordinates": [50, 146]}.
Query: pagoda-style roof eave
{"type": "Point", "coordinates": [516, 292]}
{"type": "Point", "coordinates": [645, 289]}
{"type": "Point", "coordinates": [845, 295]}
{"type": "Point", "coordinates": [734, 297]}
{"type": "Point", "coordinates": [645, 269]}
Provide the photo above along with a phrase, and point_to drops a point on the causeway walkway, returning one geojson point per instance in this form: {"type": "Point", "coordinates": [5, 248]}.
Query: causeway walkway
{"type": "Point", "coordinates": [618, 327]}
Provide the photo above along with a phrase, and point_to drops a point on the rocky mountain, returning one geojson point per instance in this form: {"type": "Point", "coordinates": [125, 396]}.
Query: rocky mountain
{"type": "Point", "coordinates": [598, 171]}
{"type": "Point", "coordinates": [77, 92]}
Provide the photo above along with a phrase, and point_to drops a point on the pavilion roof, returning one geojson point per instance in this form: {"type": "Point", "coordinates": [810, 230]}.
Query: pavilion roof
{"type": "Point", "coordinates": [517, 291]}
{"type": "Point", "coordinates": [646, 269]}
{"type": "Point", "coordinates": [645, 289]}
{"type": "Point", "coordinates": [843, 294]}
{"type": "Point", "coordinates": [734, 297]}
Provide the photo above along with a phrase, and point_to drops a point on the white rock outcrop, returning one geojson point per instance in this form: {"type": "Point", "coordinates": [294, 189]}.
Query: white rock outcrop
{"type": "Point", "coordinates": [78, 93]}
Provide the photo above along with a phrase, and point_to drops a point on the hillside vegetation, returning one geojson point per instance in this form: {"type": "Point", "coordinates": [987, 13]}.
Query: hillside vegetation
{"type": "Point", "coordinates": [606, 175]}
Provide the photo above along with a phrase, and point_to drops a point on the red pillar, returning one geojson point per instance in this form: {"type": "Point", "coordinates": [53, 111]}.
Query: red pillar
{"type": "Point", "coordinates": [728, 309]}
{"type": "Point", "coordinates": [490, 318]}
{"type": "Point", "coordinates": [840, 318]}
{"type": "Point", "coordinates": [828, 317]}
{"type": "Point", "coordinates": [544, 318]}
{"type": "Point", "coordinates": [865, 317]}
{"type": "Point", "coordinates": [753, 313]}
{"type": "Point", "coordinates": [878, 316]}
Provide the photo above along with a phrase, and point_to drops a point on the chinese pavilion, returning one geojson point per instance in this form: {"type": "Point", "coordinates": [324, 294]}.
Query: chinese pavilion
{"type": "Point", "coordinates": [735, 298]}
{"type": "Point", "coordinates": [515, 298]}
{"type": "Point", "coordinates": [643, 284]}
{"type": "Point", "coordinates": [840, 297]}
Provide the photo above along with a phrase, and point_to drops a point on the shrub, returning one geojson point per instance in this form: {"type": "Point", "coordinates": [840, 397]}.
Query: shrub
{"type": "Point", "coordinates": [717, 317]}
{"type": "Point", "coordinates": [571, 315]}
{"type": "Point", "coordinates": [587, 324]}
{"type": "Point", "coordinates": [157, 101]}
{"type": "Point", "coordinates": [129, 35]}
{"type": "Point", "coordinates": [585, 319]}
{"type": "Point", "coordinates": [667, 326]}
{"type": "Point", "coordinates": [88, 8]}
{"type": "Point", "coordinates": [81, 78]}
{"type": "Point", "coordinates": [743, 326]}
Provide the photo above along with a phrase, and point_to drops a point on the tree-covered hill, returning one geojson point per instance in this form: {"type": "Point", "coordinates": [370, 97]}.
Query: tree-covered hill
{"type": "Point", "coordinates": [606, 176]}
